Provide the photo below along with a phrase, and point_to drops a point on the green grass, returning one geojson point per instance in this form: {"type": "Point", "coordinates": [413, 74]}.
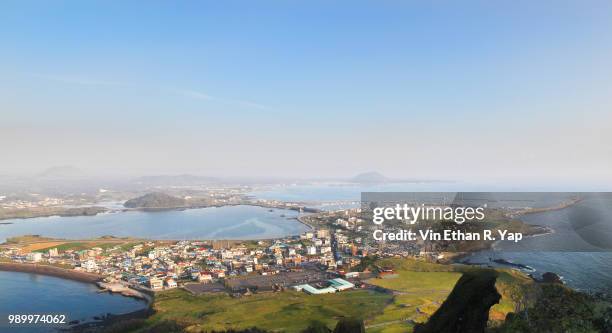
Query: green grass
{"type": "Point", "coordinates": [408, 281]}
{"type": "Point", "coordinates": [392, 328]}
{"type": "Point", "coordinates": [286, 311]}
{"type": "Point", "coordinates": [78, 246]}
{"type": "Point", "coordinates": [508, 283]}
{"type": "Point", "coordinates": [420, 289]}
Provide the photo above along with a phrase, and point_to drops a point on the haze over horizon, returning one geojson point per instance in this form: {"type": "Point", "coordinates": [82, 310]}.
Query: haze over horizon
{"type": "Point", "coordinates": [478, 90]}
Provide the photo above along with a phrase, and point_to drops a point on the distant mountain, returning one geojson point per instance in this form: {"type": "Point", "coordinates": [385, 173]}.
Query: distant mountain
{"type": "Point", "coordinates": [369, 177]}
{"type": "Point", "coordinates": [156, 200]}
{"type": "Point", "coordinates": [169, 180]}
{"type": "Point", "coordinates": [62, 172]}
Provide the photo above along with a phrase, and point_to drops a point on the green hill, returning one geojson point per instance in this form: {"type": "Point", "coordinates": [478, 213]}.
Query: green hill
{"type": "Point", "coordinates": [156, 200]}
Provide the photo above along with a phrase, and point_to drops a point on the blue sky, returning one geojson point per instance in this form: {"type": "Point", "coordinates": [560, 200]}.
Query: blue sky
{"type": "Point", "coordinates": [309, 88]}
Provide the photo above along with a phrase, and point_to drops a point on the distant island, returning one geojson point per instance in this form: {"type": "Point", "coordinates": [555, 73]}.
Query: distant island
{"type": "Point", "coordinates": [156, 200]}
{"type": "Point", "coordinates": [369, 178]}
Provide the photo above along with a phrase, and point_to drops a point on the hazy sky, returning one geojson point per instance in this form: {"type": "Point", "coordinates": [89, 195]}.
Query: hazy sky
{"type": "Point", "coordinates": [444, 89]}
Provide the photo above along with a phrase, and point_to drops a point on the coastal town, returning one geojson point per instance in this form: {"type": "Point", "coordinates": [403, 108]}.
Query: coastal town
{"type": "Point", "coordinates": [334, 258]}
{"type": "Point", "coordinates": [320, 260]}
{"type": "Point", "coordinates": [328, 257]}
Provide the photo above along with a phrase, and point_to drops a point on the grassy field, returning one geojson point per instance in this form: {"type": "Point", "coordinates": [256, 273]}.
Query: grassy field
{"type": "Point", "coordinates": [414, 293]}
{"type": "Point", "coordinates": [287, 311]}
{"type": "Point", "coordinates": [76, 246]}
{"type": "Point", "coordinates": [419, 287]}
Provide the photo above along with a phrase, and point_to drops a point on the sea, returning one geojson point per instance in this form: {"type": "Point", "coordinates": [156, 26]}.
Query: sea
{"type": "Point", "coordinates": [228, 222]}
{"type": "Point", "coordinates": [577, 248]}
{"type": "Point", "coordinates": [26, 293]}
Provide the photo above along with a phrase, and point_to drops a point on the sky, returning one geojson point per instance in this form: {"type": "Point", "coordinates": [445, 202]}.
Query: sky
{"type": "Point", "coordinates": [497, 90]}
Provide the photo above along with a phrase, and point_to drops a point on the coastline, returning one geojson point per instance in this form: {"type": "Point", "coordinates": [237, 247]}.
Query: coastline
{"type": "Point", "coordinates": [302, 221]}
{"type": "Point", "coordinates": [102, 210]}
{"type": "Point", "coordinates": [490, 245]}
{"type": "Point", "coordinates": [51, 271]}
{"type": "Point", "coordinates": [91, 278]}
{"type": "Point", "coordinates": [56, 211]}
{"type": "Point", "coordinates": [562, 205]}
{"type": "Point", "coordinates": [537, 230]}
{"type": "Point", "coordinates": [74, 275]}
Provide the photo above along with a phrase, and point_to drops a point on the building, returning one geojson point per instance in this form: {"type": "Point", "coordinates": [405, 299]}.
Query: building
{"type": "Point", "coordinates": [171, 283]}
{"type": "Point", "coordinates": [34, 257]}
{"type": "Point", "coordinates": [53, 252]}
{"type": "Point", "coordinates": [314, 291]}
{"type": "Point", "coordinates": [335, 286]}
{"type": "Point", "coordinates": [341, 284]}
{"type": "Point", "coordinates": [89, 265]}
{"type": "Point", "coordinates": [204, 278]}
{"type": "Point", "coordinates": [322, 233]}
{"type": "Point", "coordinates": [156, 284]}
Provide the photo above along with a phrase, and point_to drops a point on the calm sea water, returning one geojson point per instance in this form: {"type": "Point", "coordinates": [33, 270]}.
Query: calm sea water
{"type": "Point", "coordinates": [24, 293]}
{"type": "Point", "coordinates": [578, 250]}
{"type": "Point", "coordinates": [229, 222]}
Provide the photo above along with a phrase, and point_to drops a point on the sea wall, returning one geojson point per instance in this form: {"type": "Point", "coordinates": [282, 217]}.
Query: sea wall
{"type": "Point", "coordinates": [50, 270]}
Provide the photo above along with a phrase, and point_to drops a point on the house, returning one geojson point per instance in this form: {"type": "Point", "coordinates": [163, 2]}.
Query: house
{"type": "Point", "coordinates": [34, 256]}
{"type": "Point", "coordinates": [204, 278]}
{"type": "Point", "coordinates": [156, 284]}
{"type": "Point", "coordinates": [89, 265]}
{"type": "Point", "coordinates": [171, 283]}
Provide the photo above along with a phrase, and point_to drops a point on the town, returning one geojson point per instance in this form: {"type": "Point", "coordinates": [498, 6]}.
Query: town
{"type": "Point", "coordinates": [323, 259]}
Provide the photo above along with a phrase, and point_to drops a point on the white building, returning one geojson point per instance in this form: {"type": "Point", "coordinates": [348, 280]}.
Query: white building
{"type": "Point", "coordinates": [53, 252]}
{"type": "Point", "coordinates": [89, 265]}
{"type": "Point", "coordinates": [171, 283]}
{"type": "Point", "coordinates": [34, 256]}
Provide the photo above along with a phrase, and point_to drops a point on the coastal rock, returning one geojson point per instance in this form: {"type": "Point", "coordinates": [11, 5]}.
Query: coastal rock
{"type": "Point", "coordinates": [550, 277]}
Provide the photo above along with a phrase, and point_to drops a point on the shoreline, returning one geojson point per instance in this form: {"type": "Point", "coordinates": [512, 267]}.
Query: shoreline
{"type": "Point", "coordinates": [91, 278]}
{"type": "Point", "coordinates": [540, 230]}
{"type": "Point", "coordinates": [491, 245]}
{"type": "Point", "coordinates": [560, 206]}
{"type": "Point", "coordinates": [74, 275]}
{"type": "Point", "coordinates": [157, 209]}
{"type": "Point", "coordinates": [60, 212]}
{"type": "Point", "coordinates": [302, 221]}
{"type": "Point", "coordinates": [50, 271]}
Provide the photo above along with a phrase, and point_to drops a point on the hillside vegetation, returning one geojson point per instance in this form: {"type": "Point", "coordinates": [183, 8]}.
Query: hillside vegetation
{"type": "Point", "coordinates": [156, 200]}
